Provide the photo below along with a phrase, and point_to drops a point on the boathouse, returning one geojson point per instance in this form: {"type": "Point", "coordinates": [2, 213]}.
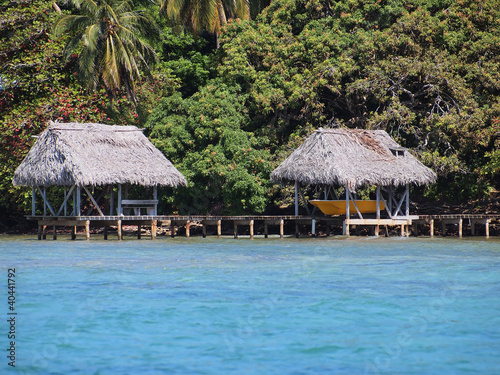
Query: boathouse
{"type": "Point", "coordinates": [86, 169]}
{"type": "Point", "coordinates": [352, 159]}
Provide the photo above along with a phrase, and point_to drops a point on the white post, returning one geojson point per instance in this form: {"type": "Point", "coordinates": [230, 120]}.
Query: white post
{"type": "Point", "coordinates": [65, 201]}
{"type": "Point", "coordinates": [407, 200]}
{"type": "Point", "coordinates": [296, 198]}
{"type": "Point", "coordinates": [347, 213]}
{"type": "Point", "coordinates": [119, 212]}
{"type": "Point", "coordinates": [78, 200]}
{"type": "Point", "coordinates": [112, 201]}
{"type": "Point", "coordinates": [33, 201]}
{"type": "Point", "coordinates": [378, 202]}
{"type": "Point", "coordinates": [155, 197]}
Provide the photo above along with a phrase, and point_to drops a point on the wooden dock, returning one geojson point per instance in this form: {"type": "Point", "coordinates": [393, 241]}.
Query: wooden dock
{"type": "Point", "coordinates": [427, 225]}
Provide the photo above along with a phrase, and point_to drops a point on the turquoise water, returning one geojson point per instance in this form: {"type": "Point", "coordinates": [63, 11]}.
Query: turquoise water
{"type": "Point", "coordinates": [208, 306]}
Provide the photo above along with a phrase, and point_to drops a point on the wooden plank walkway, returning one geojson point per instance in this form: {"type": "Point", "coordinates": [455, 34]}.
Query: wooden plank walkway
{"type": "Point", "coordinates": [153, 221]}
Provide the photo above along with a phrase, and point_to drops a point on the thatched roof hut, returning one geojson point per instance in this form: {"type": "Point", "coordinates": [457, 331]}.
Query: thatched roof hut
{"type": "Point", "coordinates": [68, 154]}
{"type": "Point", "coordinates": [352, 157]}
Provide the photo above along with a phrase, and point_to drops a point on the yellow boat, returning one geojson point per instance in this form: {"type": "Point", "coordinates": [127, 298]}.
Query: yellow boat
{"type": "Point", "coordinates": [338, 207]}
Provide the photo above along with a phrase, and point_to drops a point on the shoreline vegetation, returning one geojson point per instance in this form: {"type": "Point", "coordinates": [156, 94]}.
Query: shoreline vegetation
{"type": "Point", "coordinates": [227, 103]}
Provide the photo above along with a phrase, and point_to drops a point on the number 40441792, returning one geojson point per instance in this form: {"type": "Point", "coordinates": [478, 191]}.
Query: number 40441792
{"type": "Point", "coordinates": [11, 285]}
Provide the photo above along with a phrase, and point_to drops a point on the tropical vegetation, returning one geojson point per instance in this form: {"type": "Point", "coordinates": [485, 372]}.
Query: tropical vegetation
{"type": "Point", "coordinates": [228, 98]}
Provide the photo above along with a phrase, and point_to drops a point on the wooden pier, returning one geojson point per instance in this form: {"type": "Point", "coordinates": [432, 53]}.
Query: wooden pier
{"type": "Point", "coordinates": [427, 225]}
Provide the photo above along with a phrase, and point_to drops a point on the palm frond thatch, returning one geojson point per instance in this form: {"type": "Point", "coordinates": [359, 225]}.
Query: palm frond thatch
{"type": "Point", "coordinates": [95, 154]}
{"type": "Point", "coordinates": [352, 157]}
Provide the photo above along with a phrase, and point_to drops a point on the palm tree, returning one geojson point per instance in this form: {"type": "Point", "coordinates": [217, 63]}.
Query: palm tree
{"type": "Point", "coordinates": [108, 36]}
{"type": "Point", "coordinates": [209, 15]}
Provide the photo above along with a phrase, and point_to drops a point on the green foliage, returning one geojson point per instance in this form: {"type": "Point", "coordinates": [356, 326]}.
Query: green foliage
{"type": "Point", "coordinates": [109, 39]}
{"type": "Point", "coordinates": [425, 71]}
{"type": "Point", "coordinates": [227, 167]}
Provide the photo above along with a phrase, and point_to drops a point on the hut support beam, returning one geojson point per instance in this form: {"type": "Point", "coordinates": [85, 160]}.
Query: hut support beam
{"type": "Point", "coordinates": [111, 200]}
{"type": "Point", "coordinates": [78, 200]}
{"type": "Point", "coordinates": [296, 198]}
{"type": "Point", "coordinates": [119, 208]}
{"type": "Point", "coordinates": [155, 197]}
{"type": "Point", "coordinates": [65, 203]}
{"type": "Point", "coordinates": [46, 203]}
{"type": "Point", "coordinates": [93, 201]}
{"type": "Point", "coordinates": [33, 201]}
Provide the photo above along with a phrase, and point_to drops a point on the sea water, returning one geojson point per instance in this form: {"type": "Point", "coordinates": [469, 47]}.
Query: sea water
{"type": "Point", "coordinates": [276, 306]}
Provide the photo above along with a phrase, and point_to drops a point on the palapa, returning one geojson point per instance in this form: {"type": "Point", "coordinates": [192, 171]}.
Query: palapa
{"type": "Point", "coordinates": [67, 154]}
{"type": "Point", "coordinates": [353, 158]}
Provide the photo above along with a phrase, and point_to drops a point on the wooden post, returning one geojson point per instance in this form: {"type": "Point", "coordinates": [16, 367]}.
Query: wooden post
{"type": "Point", "coordinates": [431, 224]}
{"type": "Point", "coordinates": [346, 228]}
{"type": "Point", "coordinates": [172, 229]}
{"type": "Point", "coordinates": [313, 227]}
{"type": "Point", "coordinates": [119, 209]}
{"type": "Point", "coordinates": [204, 230]}
{"type": "Point", "coordinates": [219, 228]}
{"type": "Point", "coordinates": [407, 200]}
{"type": "Point", "coordinates": [111, 201]}
{"type": "Point", "coordinates": [377, 227]}
{"type": "Point", "coordinates": [155, 197]}
{"type": "Point", "coordinates": [235, 230]}
{"type": "Point", "coordinates": [444, 228]}
{"type": "Point", "coordinates": [327, 229]}
{"type": "Point", "coordinates": [402, 230]}
{"type": "Point", "coordinates": [54, 233]}
{"type": "Point", "coordinates": [347, 199]}
{"type": "Point", "coordinates": [87, 230]}
{"type": "Point", "coordinates": [39, 232]}
{"type": "Point", "coordinates": [73, 233]}
{"type": "Point", "coordinates": [460, 227]}
{"type": "Point", "coordinates": [106, 232]}
{"type": "Point", "coordinates": [487, 227]}
{"type": "Point", "coordinates": [139, 228]}
{"type": "Point", "coordinates": [251, 229]}
{"type": "Point", "coordinates": [188, 225]}
{"type": "Point", "coordinates": [154, 225]}
{"type": "Point", "coordinates": [296, 198]}
{"type": "Point", "coordinates": [266, 233]}
{"type": "Point", "coordinates": [119, 229]}
{"type": "Point", "coordinates": [472, 227]}
{"type": "Point", "coordinates": [297, 234]}
{"type": "Point", "coordinates": [44, 202]}
{"type": "Point", "coordinates": [282, 229]}
{"type": "Point", "coordinates": [44, 232]}
{"type": "Point", "coordinates": [33, 201]}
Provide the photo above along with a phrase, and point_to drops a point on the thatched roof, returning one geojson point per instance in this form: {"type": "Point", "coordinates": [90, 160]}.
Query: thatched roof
{"type": "Point", "coordinates": [353, 157]}
{"type": "Point", "coordinates": [95, 154]}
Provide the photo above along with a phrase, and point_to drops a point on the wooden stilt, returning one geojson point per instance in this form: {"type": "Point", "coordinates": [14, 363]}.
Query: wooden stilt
{"type": "Point", "coordinates": [54, 233]}
{"type": "Point", "coordinates": [172, 229]}
{"type": "Point", "coordinates": [402, 230]}
{"type": "Point", "coordinates": [119, 229]}
{"type": "Point", "coordinates": [345, 228]}
{"type": "Point", "coordinates": [188, 227]}
{"type": "Point", "coordinates": [204, 230]}
{"type": "Point", "coordinates": [251, 229]}
{"type": "Point", "coordinates": [235, 230]}
{"type": "Point", "coordinates": [472, 227]}
{"type": "Point", "coordinates": [282, 228]}
{"type": "Point", "coordinates": [39, 232]}
{"type": "Point", "coordinates": [297, 234]}
{"type": "Point", "coordinates": [106, 232]}
{"type": "Point", "coordinates": [444, 228]}
{"type": "Point", "coordinates": [460, 227]}
{"type": "Point", "coordinates": [73, 233]}
{"type": "Point", "coordinates": [377, 230]}
{"type": "Point", "coordinates": [219, 228]}
{"type": "Point", "coordinates": [266, 232]}
{"type": "Point", "coordinates": [154, 226]}
{"type": "Point", "coordinates": [139, 228]}
{"type": "Point", "coordinates": [44, 232]}
{"type": "Point", "coordinates": [431, 224]}
{"type": "Point", "coordinates": [313, 227]}
{"type": "Point", "coordinates": [487, 227]}
{"type": "Point", "coordinates": [87, 230]}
